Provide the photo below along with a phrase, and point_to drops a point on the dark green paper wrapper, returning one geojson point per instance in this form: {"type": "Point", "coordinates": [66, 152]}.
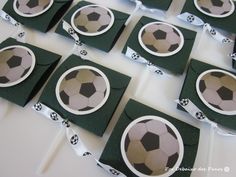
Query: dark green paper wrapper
{"type": "Point", "coordinates": [189, 91]}
{"type": "Point", "coordinates": [104, 41]}
{"type": "Point", "coordinates": [97, 121]}
{"type": "Point", "coordinates": [23, 92]}
{"type": "Point", "coordinates": [175, 63]}
{"type": "Point", "coordinates": [43, 22]}
{"type": "Point", "coordinates": [226, 23]}
{"type": "Point", "coordinates": [133, 110]}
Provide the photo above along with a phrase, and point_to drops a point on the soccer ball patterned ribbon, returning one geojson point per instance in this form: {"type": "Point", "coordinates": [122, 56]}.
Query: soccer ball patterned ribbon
{"type": "Point", "coordinates": [78, 48]}
{"type": "Point", "coordinates": [233, 56]}
{"type": "Point", "coordinates": [196, 113]}
{"type": "Point", "coordinates": [134, 56]}
{"type": "Point", "coordinates": [73, 137]}
{"type": "Point", "coordinates": [196, 21]}
{"type": "Point", "coordinates": [20, 34]}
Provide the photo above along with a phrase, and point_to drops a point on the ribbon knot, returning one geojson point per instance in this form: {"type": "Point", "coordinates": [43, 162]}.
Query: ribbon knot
{"type": "Point", "coordinates": [71, 31]}
{"type": "Point", "coordinates": [74, 139]}
{"type": "Point", "coordinates": [54, 116]}
{"type": "Point", "coordinates": [135, 56]}
{"type": "Point", "coordinates": [38, 107]}
{"type": "Point", "coordinates": [199, 115]}
{"type": "Point", "coordinates": [190, 18]}
{"type": "Point", "coordinates": [66, 123]}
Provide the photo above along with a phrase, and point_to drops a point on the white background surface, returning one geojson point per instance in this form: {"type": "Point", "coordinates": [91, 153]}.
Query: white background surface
{"type": "Point", "coordinates": [26, 136]}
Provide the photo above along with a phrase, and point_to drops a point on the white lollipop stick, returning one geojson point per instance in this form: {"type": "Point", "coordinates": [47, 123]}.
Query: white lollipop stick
{"type": "Point", "coordinates": [5, 105]}
{"type": "Point", "coordinates": [210, 149]}
{"type": "Point", "coordinates": [202, 34]}
{"type": "Point", "coordinates": [51, 151]}
{"type": "Point", "coordinates": [142, 82]}
{"type": "Point", "coordinates": [138, 4]}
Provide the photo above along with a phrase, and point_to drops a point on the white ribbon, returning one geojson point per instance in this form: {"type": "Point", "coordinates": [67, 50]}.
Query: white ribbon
{"type": "Point", "coordinates": [20, 34]}
{"type": "Point", "coordinates": [144, 8]}
{"type": "Point", "coordinates": [73, 137]}
{"type": "Point", "coordinates": [134, 56]}
{"type": "Point", "coordinates": [233, 56]}
{"type": "Point", "coordinates": [78, 48]}
{"type": "Point", "coordinates": [196, 113]}
{"type": "Point", "coordinates": [5, 106]}
{"type": "Point", "coordinates": [196, 21]}
{"type": "Point", "coordinates": [139, 5]}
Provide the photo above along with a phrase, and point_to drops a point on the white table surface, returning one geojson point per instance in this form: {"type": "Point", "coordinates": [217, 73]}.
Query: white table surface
{"type": "Point", "coordinates": [26, 136]}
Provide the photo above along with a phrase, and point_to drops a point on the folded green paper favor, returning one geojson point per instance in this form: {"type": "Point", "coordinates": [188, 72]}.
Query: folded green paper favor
{"type": "Point", "coordinates": [24, 91]}
{"type": "Point", "coordinates": [224, 23]}
{"type": "Point", "coordinates": [133, 110]}
{"type": "Point", "coordinates": [97, 121]}
{"type": "Point", "coordinates": [103, 41]}
{"type": "Point", "coordinates": [43, 22]}
{"type": "Point", "coordinates": [175, 63]}
{"type": "Point", "coordinates": [189, 91]}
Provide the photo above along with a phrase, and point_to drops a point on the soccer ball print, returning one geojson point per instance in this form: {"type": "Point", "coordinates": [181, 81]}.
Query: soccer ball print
{"type": "Point", "coordinates": [92, 20]}
{"type": "Point", "coordinates": [31, 8]}
{"type": "Point", "coordinates": [215, 8]}
{"type": "Point", "coordinates": [16, 64]}
{"type": "Point", "coordinates": [152, 146]}
{"type": "Point", "coordinates": [217, 90]}
{"type": "Point", "coordinates": [82, 90]}
{"type": "Point", "coordinates": [161, 39]}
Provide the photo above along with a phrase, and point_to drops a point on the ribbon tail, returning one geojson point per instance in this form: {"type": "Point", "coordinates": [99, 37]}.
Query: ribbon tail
{"type": "Point", "coordinates": [146, 9]}
{"type": "Point", "coordinates": [68, 28]}
{"type": "Point", "coordinates": [225, 132]}
{"type": "Point", "coordinates": [20, 33]}
{"type": "Point", "coordinates": [191, 19]}
{"type": "Point", "coordinates": [82, 52]}
{"type": "Point", "coordinates": [233, 56]}
{"type": "Point", "coordinates": [217, 35]}
{"type": "Point", "coordinates": [192, 109]}
{"type": "Point", "coordinates": [110, 170]}
{"type": "Point", "coordinates": [8, 18]}
{"type": "Point", "coordinates": [76, 143]}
